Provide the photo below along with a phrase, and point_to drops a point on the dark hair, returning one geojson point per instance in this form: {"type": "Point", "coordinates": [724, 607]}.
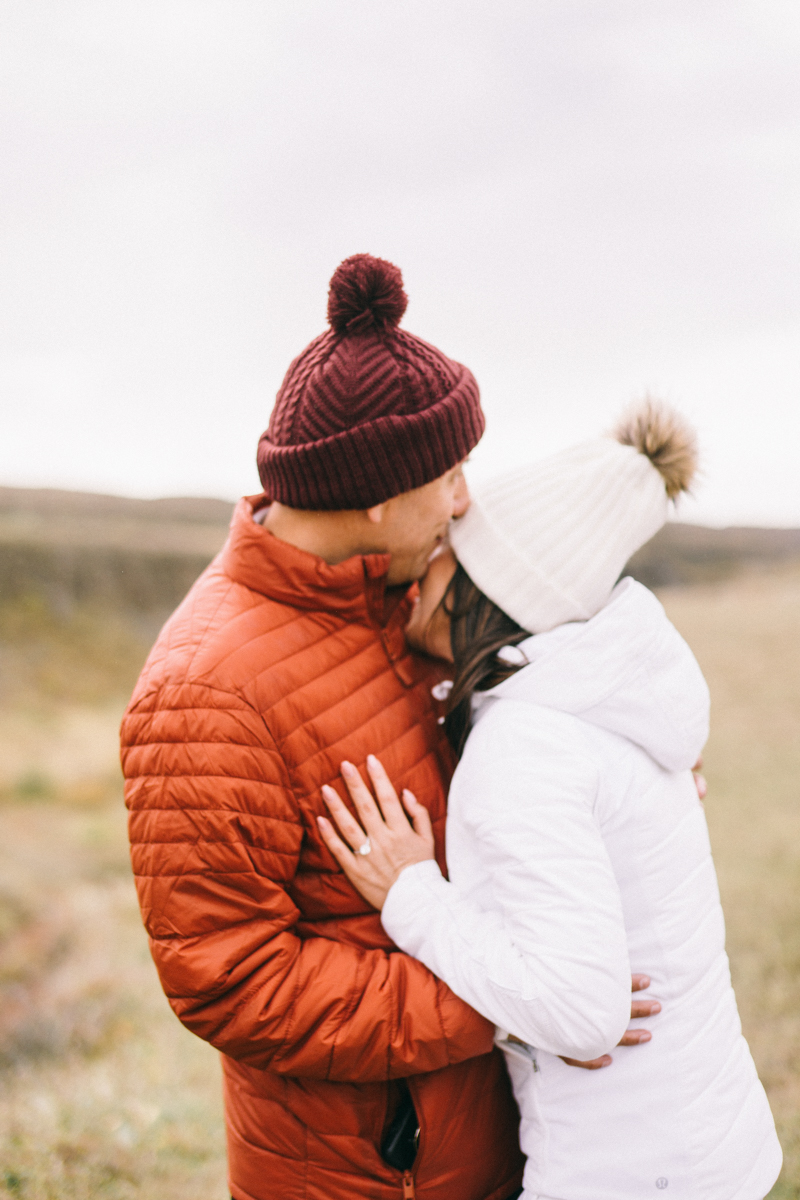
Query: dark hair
{"type": "Point", "coordinates": [478, 629]}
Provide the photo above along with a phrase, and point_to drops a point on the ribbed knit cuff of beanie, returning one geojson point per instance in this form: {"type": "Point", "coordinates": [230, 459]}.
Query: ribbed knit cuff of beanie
{"type": "Point", "coordinates": [367, 411]}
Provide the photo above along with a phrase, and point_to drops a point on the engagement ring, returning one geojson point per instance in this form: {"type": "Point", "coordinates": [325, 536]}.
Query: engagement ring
{"type": "Point", "coordinates": [365, 849]}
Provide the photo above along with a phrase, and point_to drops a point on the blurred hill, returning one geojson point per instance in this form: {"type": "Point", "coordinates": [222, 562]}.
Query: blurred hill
{"type": "Point", "coordinates": [688, 554]}
{"type": "Point", "coordinates": [139, 557]}
{"type": "Point", "coordinates": [75, 548]}
{"type": "Point", "coordinates": [85, 583]}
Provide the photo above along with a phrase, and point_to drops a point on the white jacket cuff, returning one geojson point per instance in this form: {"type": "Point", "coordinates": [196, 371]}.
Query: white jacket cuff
{"type": "Point", "coordinates": [406, 910]}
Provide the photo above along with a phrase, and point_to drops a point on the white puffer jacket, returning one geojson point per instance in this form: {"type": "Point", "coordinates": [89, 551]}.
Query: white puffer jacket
{"type": "Point", "coordinates": [577, 850]}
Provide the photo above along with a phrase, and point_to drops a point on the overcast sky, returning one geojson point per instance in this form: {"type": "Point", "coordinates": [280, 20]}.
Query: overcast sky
{"type": "Point", "coordinates": [589, 199]}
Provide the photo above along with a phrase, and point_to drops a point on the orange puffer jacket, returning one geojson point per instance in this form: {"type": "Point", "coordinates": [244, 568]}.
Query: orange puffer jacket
{"type": "Point", "coordinates": [274, 669]}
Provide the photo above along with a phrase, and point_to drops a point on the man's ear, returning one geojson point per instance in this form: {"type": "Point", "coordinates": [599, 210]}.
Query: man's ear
{"type": "Point", "coordinates": [375, 514]}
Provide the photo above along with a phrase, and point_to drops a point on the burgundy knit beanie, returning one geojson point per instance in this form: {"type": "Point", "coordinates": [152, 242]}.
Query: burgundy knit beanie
{"type": "Point", "coordinates": [367, 411]}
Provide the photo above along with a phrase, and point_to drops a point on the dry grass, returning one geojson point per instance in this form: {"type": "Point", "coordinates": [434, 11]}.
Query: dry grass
{"type": "Point", "coordinates": [746, 634]}
{"type": "Point", "coordinates": [85, 656]}
{"type": "Point", "coordinates": [103, 1094]}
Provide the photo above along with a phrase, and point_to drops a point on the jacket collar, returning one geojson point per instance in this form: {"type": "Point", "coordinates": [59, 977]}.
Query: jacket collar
{"type": "Point", "coordinates": [354, 589]}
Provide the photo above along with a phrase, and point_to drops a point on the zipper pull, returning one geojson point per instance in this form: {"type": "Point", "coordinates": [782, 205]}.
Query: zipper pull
{"type": "Point", "coordinates": [408, 1186]}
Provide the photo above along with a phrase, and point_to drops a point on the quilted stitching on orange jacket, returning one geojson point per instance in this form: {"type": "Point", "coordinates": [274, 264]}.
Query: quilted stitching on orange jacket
{"type": "Point", "coordinates": [275, 668]}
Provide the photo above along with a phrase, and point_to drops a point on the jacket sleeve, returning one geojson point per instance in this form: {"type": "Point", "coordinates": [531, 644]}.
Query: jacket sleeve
{"type": "Point", "coordinates": [215, 841]}
{"type": "Point", "coordinates": [545, 955]}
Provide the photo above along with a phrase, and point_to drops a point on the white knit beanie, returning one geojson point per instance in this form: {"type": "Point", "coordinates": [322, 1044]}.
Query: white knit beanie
{"type": "Point", "coordinates": [547, 541]}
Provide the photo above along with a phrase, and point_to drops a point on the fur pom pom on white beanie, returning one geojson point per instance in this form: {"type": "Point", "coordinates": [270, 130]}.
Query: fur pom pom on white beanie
{"type": "Point", "coordinates": [547, 541]}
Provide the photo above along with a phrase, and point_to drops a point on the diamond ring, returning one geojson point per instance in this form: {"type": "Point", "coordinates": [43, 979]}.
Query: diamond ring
{"type": "Point", "coordinates": [365, 849]}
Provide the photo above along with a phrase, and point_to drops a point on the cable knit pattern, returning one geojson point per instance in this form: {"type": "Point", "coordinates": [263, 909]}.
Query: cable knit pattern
{"type": "Point", "coordinates": [274, 669]}
{"type": "Point", "coordinates": [368, 410]}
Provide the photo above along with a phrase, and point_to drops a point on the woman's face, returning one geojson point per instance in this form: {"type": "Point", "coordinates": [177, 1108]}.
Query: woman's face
{"type": "Point", "coordinates": [429, 627]}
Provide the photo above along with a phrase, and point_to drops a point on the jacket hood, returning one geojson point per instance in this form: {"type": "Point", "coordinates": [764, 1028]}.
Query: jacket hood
{"type": "Point", "coordinates": [627, 670]}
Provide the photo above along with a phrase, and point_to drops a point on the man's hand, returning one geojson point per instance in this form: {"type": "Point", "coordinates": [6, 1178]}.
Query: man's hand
{"type": "Point", "coordinates": [631, 1037]}
{"type": "Point", "coordinates": [372, 855]}
{"type": "Point", "coordinates": [641, 1008]}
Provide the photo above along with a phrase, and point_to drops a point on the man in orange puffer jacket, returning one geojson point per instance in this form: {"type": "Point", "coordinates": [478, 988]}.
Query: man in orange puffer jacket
{"type": "Point", "coordinates": [350, 1071]}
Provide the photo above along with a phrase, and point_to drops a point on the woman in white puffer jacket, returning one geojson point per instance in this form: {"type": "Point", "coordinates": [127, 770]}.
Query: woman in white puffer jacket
{"type": "Point", "coordinates": [576, 843]}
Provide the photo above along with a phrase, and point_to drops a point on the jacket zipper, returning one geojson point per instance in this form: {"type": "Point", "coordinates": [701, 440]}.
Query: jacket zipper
{"type": "Point", "coordinates": [403, 673]}
{"type": "Point", "coordinates": [409, 1191]}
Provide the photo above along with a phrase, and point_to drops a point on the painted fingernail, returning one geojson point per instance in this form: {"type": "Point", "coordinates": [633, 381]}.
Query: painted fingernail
{"type": "Point", "coordinates": [655, 1007]}
{"type": "Point", "coordinates": [348, 768]}
{"type": "Point", "coordinates": [372, 760]}
{"type": "Point", "coordinates": [644, 1036]}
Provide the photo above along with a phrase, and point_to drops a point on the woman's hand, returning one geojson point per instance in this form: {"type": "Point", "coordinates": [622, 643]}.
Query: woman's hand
{"type": "Point", "coordinates": [372, 857]}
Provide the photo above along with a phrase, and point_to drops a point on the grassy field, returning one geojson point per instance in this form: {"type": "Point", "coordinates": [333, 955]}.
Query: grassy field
{"type": "Point", "coordinates": [746, 635]}
{"type": "Point", "coordinates": [103, 1094]}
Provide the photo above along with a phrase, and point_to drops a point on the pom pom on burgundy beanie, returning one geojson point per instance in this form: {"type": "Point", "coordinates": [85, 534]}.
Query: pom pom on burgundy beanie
{"type": "Point", "coordinates": [367, 411]}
